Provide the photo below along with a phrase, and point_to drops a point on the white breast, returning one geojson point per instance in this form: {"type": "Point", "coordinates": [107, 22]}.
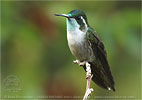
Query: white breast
{"type": "Point", "coordinates": [76, 42]}
{"type": "Point", "coordinates": [75, 37]}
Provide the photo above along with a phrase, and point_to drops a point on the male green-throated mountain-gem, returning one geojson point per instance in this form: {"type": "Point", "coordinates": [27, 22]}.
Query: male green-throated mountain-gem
{"type": "Point", "coordinates": [85, 45]}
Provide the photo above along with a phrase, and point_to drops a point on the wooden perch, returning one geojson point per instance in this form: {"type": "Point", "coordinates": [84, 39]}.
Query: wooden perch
{"type": "Point", "coordinates": [88, 77]}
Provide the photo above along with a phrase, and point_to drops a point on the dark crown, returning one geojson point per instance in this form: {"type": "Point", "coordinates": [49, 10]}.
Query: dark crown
{"type": "Point", "coordinates": [76, 13]}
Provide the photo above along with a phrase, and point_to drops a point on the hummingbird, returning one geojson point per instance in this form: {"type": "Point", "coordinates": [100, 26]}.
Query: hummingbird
{"type": "Point", "coordinates": [86, 46]}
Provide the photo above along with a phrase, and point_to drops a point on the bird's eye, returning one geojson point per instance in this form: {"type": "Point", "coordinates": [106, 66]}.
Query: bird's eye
{"type": "Point", "coordinates": [78, 18]}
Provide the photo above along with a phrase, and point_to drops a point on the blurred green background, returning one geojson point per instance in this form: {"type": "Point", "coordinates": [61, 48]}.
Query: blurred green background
{"type": "Point", "coordinates": [35, 59]}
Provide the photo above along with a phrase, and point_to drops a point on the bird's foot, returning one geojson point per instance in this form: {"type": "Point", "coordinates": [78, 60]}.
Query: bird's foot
{"type": "Point", "coordinates": [79, 62]}
{"type": "Point", "coordinates": [88, 93]}
{"type": "Point", "coordinates": [76, 61]}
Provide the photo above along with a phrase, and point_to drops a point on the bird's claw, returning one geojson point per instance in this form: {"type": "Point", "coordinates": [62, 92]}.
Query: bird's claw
{"type": "Point", "coordinates": [76, 61]}
{"type": "Point", "coordinates": [79, 63]}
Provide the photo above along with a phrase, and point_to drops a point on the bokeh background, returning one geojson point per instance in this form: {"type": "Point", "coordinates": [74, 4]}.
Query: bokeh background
{"type": "Point", "coordinates": [35, 59]}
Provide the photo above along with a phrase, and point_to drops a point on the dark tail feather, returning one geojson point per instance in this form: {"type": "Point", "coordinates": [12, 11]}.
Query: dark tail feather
{"type": "Point", "coordinates": [99, 77]}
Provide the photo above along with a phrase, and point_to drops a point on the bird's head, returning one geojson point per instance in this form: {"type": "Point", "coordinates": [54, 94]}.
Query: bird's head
{"type": "Point", "coordinates": [76, 19]}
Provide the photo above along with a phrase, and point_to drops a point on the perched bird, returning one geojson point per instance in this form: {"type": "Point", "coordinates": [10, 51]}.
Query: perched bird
{"type": "Point", "coordinates": [85, 45]}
